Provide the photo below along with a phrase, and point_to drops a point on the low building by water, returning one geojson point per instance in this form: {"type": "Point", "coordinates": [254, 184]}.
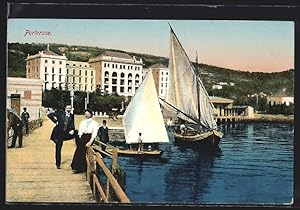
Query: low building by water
{"type": "Point", "coordinates": [23, 92]}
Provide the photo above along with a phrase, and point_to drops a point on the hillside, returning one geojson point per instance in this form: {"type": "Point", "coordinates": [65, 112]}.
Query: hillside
{"type": "Point", "coordinates": [245, 83]}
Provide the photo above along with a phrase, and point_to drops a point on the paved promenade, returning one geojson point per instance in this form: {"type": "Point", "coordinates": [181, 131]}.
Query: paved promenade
{"type": "Point", "coordinates": [31, 174]}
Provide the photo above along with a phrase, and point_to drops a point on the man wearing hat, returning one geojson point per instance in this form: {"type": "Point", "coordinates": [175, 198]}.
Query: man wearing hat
{"type": "Point", "coordinates": [64, 130]}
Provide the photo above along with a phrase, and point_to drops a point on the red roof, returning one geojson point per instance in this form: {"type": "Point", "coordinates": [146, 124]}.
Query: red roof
{"type": "Point", "coordinates": [115, 54]}
{"type": "Point", "coordinates": [158, 65]}
{"type": "Point", "coordinates": [48, 52]}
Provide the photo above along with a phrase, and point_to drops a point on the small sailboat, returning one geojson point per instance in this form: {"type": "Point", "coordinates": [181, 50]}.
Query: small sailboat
{"type": "Point", "coordinates": [188, 98]}
{"type": "Point", "coordinates": [143, 122]}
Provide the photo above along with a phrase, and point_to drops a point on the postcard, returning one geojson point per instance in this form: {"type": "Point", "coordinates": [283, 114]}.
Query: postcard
{"type": "Point", "coordinates": [150, 111]}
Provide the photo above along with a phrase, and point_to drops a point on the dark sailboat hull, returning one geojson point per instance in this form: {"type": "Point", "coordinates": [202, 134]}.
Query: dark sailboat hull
{"type": "Point", "coordinates": [194, 138]}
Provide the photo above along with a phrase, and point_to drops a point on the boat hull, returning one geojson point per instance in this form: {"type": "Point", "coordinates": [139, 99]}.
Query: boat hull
{"type": "Point", "coordinates": [192, 137]}
{"type": "Point", "coordinates": [129, 152]}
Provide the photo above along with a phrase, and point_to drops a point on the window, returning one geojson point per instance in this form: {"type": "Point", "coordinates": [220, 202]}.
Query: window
{"type": "Point", "coordinates": [46, 69]}
{"type": "Point", "coordinates": [45, 77]}
{"type": "Point", "coordinates": [85, 80]}
{"type": "Point", "coordinates": [46, 61]}
{"type": "Point", "coordinates": [80, 72]}
{"type": "Point", "coordinates": [122, 89]}
{"type": "Point", "coordinates": [67, 71]}
{"type": "Point", "coordinates": [53, 62]}
{"type": "Point", "coordinates": [52, 77]}
{"type": "Point", "coordinates": [92, 80]}
{"type": "Point", "coordinates": [73, 71]}
{"type": "Point", "coordinates": [28, 70]}
{"type": "Point", "coordinates": [106, 87]}
{"type": "Point", "coordinates": [106, 74]}
{"type": "Point", "coordinates": [52, 70]}
{"type": "Point", "coordinates": [114, 81]}
{"type": "Point", "coordinates": [113, 65]}
{"type": "Point", "coordinates": [79, 79]}
{"type": "Point", "coordinates": [122, 82]}
{"type": "Point", "coordinates": [60, 70]}
{"type": "Point", "coordinates": [60, 62]}
{"type": "Point", "coordinates": [114, 74]}
{"type": "Point", "coordinates": [114, 89]}
{"type": "Point", "coordinates": [106, 80]}
{"type": "Point", "coordinates": [122, 75]}
{"type": "Point", "coordinates": [73, 79]}
{"type": "Point", "coordinates": [104, 64]}
{"type": "Point", "coordinates": [60, 78]}
{"type": "Point", "coordinates": [85, 72]}
{"type": "Point", "coordinates": [28, 62]}
{"type": "Point", "coordinates": [92, 73]}
{"type": "Point", "coordinates": [108, 65]}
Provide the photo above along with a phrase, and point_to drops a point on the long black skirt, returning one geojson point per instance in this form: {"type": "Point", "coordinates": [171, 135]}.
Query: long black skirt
{"type": "Point", "coordinates": [79, 161]}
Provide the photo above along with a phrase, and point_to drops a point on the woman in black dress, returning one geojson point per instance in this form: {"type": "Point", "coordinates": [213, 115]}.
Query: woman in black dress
{"type": "Point", "coordinates": [87, 132]}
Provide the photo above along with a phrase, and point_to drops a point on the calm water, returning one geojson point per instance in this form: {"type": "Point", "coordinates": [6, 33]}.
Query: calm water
{"type": "Point", "coordinates": [254, 166]}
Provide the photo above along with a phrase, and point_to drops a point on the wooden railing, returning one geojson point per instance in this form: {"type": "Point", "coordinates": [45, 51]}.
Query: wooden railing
{"type": "Point", "coordinates": [111, 191]}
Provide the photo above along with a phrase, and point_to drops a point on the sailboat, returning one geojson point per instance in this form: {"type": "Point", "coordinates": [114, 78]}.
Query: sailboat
{"type": "Point", "coordinates": [143, 122]}
{"type": "Point", "coordinates": [188, 98]}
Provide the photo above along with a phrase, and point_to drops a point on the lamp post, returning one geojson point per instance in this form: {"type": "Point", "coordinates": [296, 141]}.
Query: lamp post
{"type": "Point", "coordinates": [72, 100]}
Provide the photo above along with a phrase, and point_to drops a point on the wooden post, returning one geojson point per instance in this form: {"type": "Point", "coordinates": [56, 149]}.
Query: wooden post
{"type": "Point", "coordinates": [114, 161]}
{"type": "Point", "coordinates": [107, 189]}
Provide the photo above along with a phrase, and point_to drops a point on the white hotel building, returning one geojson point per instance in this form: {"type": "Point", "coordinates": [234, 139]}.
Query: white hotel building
{"type": "Point", "coordinates": [57, 71]}
{"type": "Point", "coordinates": [47, 66]}
{"type": "Point", "coordinates": [160, 76]}
{"type": "Point", "coordinates": [117, 72]}
{"type": "Point", "coordinates": [80, 76]}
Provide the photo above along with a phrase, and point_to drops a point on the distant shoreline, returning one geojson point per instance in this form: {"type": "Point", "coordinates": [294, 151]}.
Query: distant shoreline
{"type": "Point", "coordinates": [271, 118]}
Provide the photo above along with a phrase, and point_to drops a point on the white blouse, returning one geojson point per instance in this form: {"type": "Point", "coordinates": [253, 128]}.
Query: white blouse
{"type": "Point", "coordinates": [88, 126]}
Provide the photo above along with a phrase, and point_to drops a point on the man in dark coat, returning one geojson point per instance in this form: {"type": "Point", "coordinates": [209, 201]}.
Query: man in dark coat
{"type": "Point", "coordinates": [16, 124]}
{"type": "Point", "coordinates": [25, 119]}
{"type": "Point", "coordinates": [103, 134]}
{"type": "Point", "coordinates": [64, 130]}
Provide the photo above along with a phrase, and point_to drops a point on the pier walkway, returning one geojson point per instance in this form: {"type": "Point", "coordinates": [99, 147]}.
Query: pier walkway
{"type": "Point", "coordinates": [31, 174]}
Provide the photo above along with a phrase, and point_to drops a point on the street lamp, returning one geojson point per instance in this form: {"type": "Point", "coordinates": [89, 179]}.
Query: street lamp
{"type": "Point", "coordinates": [72, 100]}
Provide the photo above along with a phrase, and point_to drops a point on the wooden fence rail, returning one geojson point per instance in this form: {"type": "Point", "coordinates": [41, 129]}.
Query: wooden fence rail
{"type": "Point", "coordinates": [111, 191]}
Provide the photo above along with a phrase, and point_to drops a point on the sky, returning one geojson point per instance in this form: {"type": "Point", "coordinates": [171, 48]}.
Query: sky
{"type": "Point", "coordinates": [255, 46]}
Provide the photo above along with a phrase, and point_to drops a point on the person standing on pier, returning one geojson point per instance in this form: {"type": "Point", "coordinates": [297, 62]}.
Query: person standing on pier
{"type": "Point", "coordinates": [16, 124]}
{"type": "Point", "coordinates": [25, 119]}
{"type": "Point", "coordinates": [64, 130]}
{"type": "Point", "coordinates": [87, 133]}
{"type": "Point", "coordinates": [103, 134]}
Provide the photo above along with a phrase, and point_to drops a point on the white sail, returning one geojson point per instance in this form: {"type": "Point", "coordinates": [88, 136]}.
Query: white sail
{"type": "Point", "coordinates": [183, 90]}
{"type": "Point", "coordinates": [143, 115]}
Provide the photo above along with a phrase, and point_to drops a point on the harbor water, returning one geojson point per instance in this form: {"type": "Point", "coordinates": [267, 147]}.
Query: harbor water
{"type": "Point", "coordinates": [253, 165]}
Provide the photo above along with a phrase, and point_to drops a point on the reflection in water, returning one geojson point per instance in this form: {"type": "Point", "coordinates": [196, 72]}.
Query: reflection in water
{"type": "Point", "coordinates": [187, 180]}
{"type": "Point", "coordinates": [253, 164]}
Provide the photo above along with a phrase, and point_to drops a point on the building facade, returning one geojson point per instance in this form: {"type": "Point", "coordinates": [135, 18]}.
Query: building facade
{"type": "Point", "coordinates": [47, 66]}
{"type": "Point", "coordinates": [80, 76]}
{"type": "Point", "coordinates": [160, 76]}
{"type": "Point", "coordinates": [22, 92]}
{"type": "Point", "coordinates": [280, 99]}
{"type": "Point", "coordinates": [117, 72]}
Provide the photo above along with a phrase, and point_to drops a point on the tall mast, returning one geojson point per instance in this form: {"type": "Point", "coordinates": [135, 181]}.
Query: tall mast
{"type": "Point", "coordinates": [198, 74]}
